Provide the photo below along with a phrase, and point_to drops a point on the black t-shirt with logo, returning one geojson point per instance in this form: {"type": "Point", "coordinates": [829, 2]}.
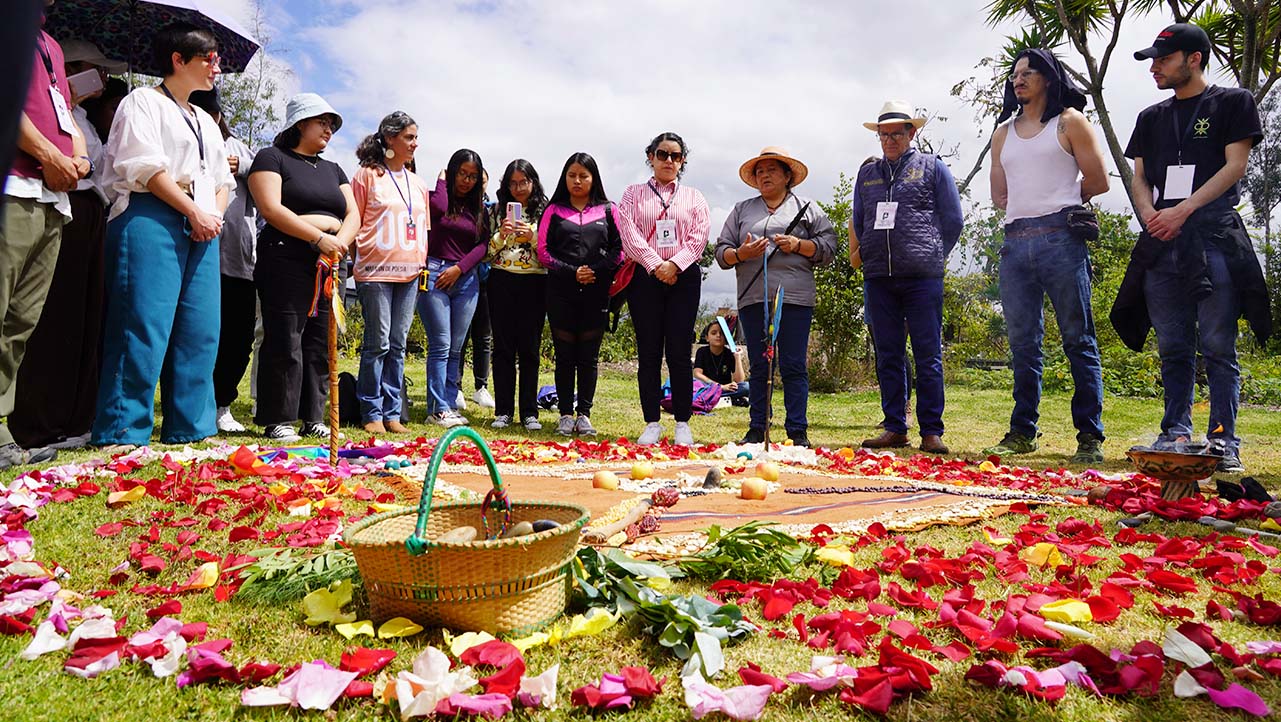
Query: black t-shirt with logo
{"type": "Point", "coordinates": [1225, 116]}
{"type": "Point", "coordinates": [719, 368]}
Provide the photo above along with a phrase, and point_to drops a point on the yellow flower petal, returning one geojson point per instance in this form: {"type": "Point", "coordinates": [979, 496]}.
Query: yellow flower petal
{"type": "Point", "coordinates": [380, 507]}
{"type": "Point", "coordinates": [1067, 610]}
{"type": "Point", "coordinates": [526, 643]}
{"type": "Point", "coordinates": [398, 627]}
{"type": "Point", "coordinates": [1270, 524]}
{"type": "Point", "coordinates": [658, 584]}
{"type": "Point", "coordinates": [324, 606]}
{"type": "Point", "coordinates": [996, 540]}
{"type": "Point", "coordinates": [1042, 555]}
{"type": "Point", "coordinates": [835, 556]}
{"type": "Point", "coordinates": [592, 623]}
{"type": "Point", "coordinates": [465, 641]}
{"type": "Point", "coordinates": [205, 576]}
{"type": "Point", "coordinates": [120, 498]}
{"type": "Point", "coordinates": [353, 629]}
{"type": "Point", "coordinates": [987, 466]}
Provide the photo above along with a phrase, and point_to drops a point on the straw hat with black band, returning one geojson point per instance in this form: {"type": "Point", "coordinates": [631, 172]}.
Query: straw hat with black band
{"type": "Point", "coordinates": [896, 112]}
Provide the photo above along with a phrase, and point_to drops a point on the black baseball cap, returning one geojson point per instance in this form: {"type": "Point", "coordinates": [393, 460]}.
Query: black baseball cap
{"type": "Point", "coordinates": [1179, 36]}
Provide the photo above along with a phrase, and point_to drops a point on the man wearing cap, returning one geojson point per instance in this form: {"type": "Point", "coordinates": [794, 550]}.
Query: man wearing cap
{"type": "Point", "coordinates": [1193, 272]}
{"type": "Point", "coordinates": [1045, 164]}
{"type": "Point", "coordinates": [51, 159]}
{"type": "Point", "coordinates": [774, 241]}
{"type": "Point", "coordinates": [59, 373]}
{"type": "Point", "coordinates": [905, 218]}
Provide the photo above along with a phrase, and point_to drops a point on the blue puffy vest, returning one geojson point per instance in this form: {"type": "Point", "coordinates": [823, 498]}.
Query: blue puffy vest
{"type": "Point", "coordinates": [914, 247]}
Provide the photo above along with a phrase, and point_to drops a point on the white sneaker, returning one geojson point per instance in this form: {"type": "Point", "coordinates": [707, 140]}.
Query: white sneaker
{"type": "Point", "coordinates": [449, 419]}
{"type": "Point", "coordinates": [457, 419]}
{"type": "Point", "coordinates": [460, 401]}
{"type": "Point", "coordinates": [501, 421]}
{"type": "Point", "coordinates": [565, 427]}
{"type": "Point", "coordinates": [282, 434]}
{"type": "Point", "coordinates": [531, 423]}
{"type": "Point", "coordinates": [583, 426]}
{"type": "Point", "coordinates": [683, 436]}
{"type": "Point", "coordinates": [483, 398]}
{"type": "Point", "coordinates": [227, 423]}
{"type": "Point", "coordinates": [650, 436]}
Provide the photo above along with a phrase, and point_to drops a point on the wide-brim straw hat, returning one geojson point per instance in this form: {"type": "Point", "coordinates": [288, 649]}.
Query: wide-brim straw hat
{"type": "Point", "coordinates": [83, 51]}
{"type": "Point", "coordinates": [309, 105]}
{"type": "Point", "coordinates": [895, 112]}
{"type": "Point", "coordinates": [747, 171]}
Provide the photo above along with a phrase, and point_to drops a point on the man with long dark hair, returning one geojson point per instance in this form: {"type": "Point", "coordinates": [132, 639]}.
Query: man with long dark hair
{"type": "Point", "coordinates": [1045, 164]}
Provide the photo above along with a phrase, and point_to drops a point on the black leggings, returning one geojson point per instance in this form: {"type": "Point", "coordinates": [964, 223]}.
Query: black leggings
{"type": "Point", "coordinates": [577, 315]}
{"type": "Point", "coordinates": [663, 317]}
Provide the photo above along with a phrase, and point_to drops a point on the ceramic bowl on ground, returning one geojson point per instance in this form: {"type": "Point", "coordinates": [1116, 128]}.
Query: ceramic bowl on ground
{"type": "Point", "coordinates": [1172, 465]}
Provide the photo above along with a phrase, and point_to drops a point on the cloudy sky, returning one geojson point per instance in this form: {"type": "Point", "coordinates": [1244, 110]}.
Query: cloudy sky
{"type": "Point", "coordinates": [541, 80]}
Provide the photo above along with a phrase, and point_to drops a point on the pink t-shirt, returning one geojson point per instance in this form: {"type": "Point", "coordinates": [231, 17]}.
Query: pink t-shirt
{"type": "Point", "coordinates": [384, 250]}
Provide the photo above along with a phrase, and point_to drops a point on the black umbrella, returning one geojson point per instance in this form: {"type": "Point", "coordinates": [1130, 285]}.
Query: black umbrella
{"type": "Point", "coordinates": [124, 28]}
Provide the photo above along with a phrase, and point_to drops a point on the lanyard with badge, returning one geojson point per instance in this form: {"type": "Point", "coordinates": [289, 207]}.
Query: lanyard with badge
{"type": "Point", "coordinates": [887, 209]}
{"type": "Point", "coordinates": [664, 228]}
{"type": "Point", "coordinates": [202, 190]}
{"type": "Point", "coordinates": [66, 123]}
{"type": "Point", "coordinates": [411, 228]}
{"type": "Point", "coordinates": [1178, 178]}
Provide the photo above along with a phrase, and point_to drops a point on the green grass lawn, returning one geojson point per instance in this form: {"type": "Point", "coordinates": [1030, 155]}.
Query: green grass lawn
{"type": "Point", "coordinates": [64, 533]}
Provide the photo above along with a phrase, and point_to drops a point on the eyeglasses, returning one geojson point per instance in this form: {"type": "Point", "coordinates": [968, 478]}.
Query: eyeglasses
{"type": "Point", "coordinates": [896, 136]}
{"type": "Point", "coordinates": [214, 60]}
{"type": "Point", "coordinates": [324, 121]}
{"type": "Point", "coordinates": [468, 177]}
{"type": "Point", "coordinates": [1024, 75]}
{"type": "Point", "coordinates": [677, 157]}
{"type": "Point", "coordinates": [527, 183]}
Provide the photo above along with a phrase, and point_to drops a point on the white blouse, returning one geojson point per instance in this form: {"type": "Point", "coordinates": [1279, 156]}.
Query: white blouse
{"type": "Point", "coordinates": [149, 135]}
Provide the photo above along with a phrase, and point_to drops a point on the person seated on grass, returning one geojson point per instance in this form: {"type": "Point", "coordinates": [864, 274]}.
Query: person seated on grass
{"type": "Point", "coordinates": [715, 364]}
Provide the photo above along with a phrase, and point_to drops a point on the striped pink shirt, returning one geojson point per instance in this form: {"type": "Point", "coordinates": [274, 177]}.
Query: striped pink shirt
{"type": "Point", "coordinates": [638, 213]}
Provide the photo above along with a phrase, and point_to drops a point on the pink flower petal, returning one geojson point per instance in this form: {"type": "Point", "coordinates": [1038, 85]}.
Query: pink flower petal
{"type": "Point", "coordinates": [1238, 697]}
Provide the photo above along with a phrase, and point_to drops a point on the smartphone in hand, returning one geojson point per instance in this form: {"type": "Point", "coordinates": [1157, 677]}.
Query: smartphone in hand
{"type": "Point", "coordinates": [514, 211]}
{"type": "Point", "coordinates": [85, 83]}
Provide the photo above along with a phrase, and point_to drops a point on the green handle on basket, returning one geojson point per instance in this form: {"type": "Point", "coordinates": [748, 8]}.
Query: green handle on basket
{"type": "Point", "coordinates": [416, 543]}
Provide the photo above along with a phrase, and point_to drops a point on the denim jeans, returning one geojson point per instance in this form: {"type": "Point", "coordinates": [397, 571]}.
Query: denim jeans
{"type": "Point", "coordinates": [742, 391]}
{"type": "Point", "coordinates": [897, 308]}
{"type": "Point", "coordinates": [446, 316]}
{"type": "Point", "coordinates": [791, 354]}
{"type": "Point", "coordinates": [1179, 323]}
{"type": "Point", "coordinates": [388, 309]}
{"type": "Point", "coordinates": [161, 286]}
{"type": "Point", "coordinates": [1041, 258]}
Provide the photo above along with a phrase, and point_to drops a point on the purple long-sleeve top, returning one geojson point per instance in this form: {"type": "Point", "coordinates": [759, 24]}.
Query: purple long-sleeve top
{"type": "Point", "coordinates": [453, 238]}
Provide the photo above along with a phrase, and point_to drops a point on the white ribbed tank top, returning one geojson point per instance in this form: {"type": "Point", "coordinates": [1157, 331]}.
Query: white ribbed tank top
{"type": "Point", "coordinates": [1040, 177]}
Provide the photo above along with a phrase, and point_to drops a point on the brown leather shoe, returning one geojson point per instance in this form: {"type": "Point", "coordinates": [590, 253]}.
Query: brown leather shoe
{"type": "Point", "coordinates": [375, 427]}
{"type": "Point", "coordinates": [887, 440]}
{"type": "Point", "coordinates": [396, 427]}
{"type": "Point", "coordinates": [933, 444]}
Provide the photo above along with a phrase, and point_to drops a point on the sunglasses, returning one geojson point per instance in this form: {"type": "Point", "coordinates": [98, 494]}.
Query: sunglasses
{"type": "Point", "coordinates": [214, 60]}
{"type": "Point", "coordinates": [676, 157]}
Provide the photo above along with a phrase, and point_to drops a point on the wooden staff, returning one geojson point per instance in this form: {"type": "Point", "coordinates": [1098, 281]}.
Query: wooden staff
{"type": "Point", "coordinates": [333, 298]}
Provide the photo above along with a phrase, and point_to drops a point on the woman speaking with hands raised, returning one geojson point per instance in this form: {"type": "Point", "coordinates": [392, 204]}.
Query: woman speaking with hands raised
{"type": "Point", "coordinates": [792, 235]}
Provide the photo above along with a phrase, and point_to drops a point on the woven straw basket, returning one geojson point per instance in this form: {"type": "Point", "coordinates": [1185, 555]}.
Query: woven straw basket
{"type": "Point", "coordinates": [497, 585]}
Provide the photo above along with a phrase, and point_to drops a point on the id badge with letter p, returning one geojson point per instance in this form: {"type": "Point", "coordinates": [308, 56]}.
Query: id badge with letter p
{"type": "Point", "coordinates": [885, 213]}
{"type": "Point", "coordinates": [665, 233]}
